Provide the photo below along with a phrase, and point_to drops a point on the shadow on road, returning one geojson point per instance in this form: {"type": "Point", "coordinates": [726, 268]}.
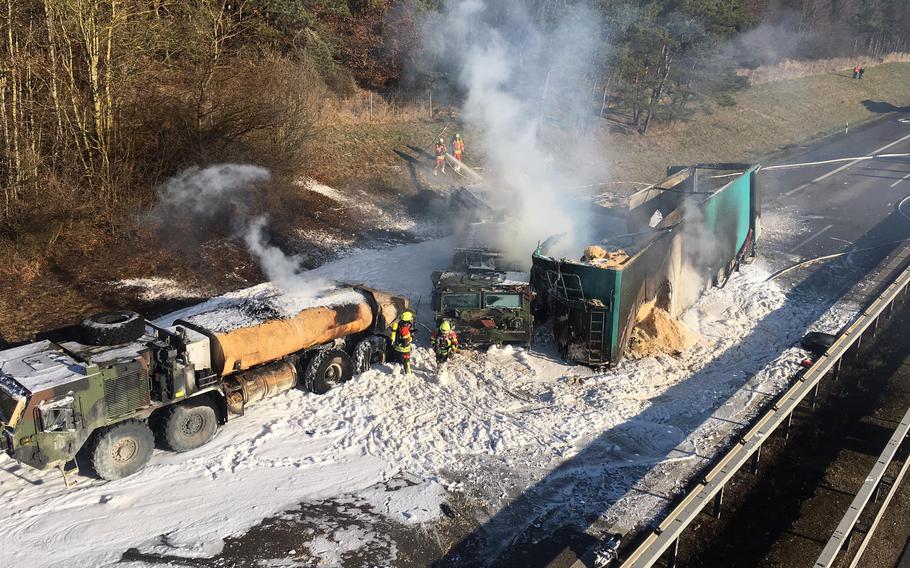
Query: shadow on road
{"type": "Point", "coordinates": [882, 107]}
{"type": "Point", "coordinates": [535, 527]}
{"type": "Point", "coordinates": [800, 472]}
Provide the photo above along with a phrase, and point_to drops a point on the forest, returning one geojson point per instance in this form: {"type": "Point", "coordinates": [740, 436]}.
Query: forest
{"type": "Point", "coordinates": [101, 100]}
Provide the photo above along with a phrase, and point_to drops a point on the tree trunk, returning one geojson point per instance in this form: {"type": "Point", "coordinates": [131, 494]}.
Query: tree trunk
{"type": "Point", "coordinates": [658, 90]}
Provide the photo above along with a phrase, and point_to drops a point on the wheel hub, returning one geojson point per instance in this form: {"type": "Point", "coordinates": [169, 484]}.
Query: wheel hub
{"type": "Point", "coordinates": [193, 425]}
{"type": "Point", "coordinates": [125, 450]}
{"type": "Point", "coordinates": [333, 373]}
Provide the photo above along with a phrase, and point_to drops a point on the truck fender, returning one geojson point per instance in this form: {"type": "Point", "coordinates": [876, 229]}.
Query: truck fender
{"type": "Point", "coordinates": [219, 402]}
{"type": "Point", "coordinates": [215, 398]}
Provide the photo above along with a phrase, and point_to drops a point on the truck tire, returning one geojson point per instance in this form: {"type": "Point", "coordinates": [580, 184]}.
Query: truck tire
{"type": "Point", "coordinates": [326, 369]}
{"type": "Point", "coordinates": [187, 426]}
{"type": "Point", "coordinates": [122, 449]}
{"type": "Point", "coordinates": [112, 328]}
{"type": "Point", "coordinates": [370, 350]}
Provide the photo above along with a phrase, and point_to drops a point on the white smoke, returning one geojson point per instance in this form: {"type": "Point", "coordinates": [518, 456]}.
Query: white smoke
{"type": "Point", "coordinates": [210, 191]}
{"type": "Point", "coordinates": [205, 196]}
{"type": "Point", "coordinates": [524, 83]}
{"type": "Point", "coordinates": [285, 271]}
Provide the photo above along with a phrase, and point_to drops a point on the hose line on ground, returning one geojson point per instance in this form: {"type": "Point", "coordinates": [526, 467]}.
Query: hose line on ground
{"type": "Point", "coordinates": [807, 262]}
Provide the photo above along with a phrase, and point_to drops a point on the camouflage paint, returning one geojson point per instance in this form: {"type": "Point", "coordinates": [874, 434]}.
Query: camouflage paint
{"type": "Point", "coordinates": [469, 322]}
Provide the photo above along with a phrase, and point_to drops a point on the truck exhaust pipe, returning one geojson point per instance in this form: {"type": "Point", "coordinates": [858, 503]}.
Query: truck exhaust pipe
{"type": "Point", "coordinates": [261, 383]}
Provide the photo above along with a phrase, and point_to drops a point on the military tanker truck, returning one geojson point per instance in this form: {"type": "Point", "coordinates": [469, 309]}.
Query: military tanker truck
{"type": "Point", "coordinates": [125, 381]}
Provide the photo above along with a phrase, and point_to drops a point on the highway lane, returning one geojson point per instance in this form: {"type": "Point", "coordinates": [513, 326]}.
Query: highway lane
{"type": "Point", "coordinates": [848, 207]}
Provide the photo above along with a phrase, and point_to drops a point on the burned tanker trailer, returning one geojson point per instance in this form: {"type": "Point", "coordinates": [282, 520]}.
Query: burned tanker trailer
{"type": "Point", "coordinates": [685, 234]}
{"type": "Point", "coordinates": [121, 382]}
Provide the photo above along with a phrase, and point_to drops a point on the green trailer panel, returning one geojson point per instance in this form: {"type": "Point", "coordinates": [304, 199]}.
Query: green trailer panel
{"type": "Point", "coordinates": [706, 227]}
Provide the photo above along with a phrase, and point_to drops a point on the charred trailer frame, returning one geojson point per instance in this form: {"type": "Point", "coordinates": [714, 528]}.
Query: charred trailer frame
{"type": "Point", "coordinates": [688, 233]}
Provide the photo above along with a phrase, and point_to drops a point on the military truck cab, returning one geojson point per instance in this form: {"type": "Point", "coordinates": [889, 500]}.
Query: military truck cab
{"type": "Point", "coordinates": [56, 397]}
{"type": "Point", "coordinates": [485, 307]}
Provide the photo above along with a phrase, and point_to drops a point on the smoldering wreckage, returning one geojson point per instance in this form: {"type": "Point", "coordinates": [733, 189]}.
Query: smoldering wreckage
{"type": "Point", "coordinates": [121, 381]}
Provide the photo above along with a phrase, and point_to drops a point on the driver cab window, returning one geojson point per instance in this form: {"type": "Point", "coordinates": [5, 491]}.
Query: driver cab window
{"type": "Point", "coordinates": [58, 416]}
{"type": "Point", "coordinates": [502, 300]}
{"type": "Point", "coordinates": [461, 301]}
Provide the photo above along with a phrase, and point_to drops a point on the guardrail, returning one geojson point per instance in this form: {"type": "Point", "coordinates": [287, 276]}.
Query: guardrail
{"type": "Point", "coordinates": [841, 537]}
{"type": "Point", "coordinates": [709, 489]}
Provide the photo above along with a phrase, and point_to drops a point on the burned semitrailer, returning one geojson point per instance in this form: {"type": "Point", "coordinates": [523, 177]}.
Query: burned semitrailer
{"type": "Point", "coordinates": [687, 233]}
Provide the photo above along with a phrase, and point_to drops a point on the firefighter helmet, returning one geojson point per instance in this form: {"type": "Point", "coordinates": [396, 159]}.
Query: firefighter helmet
{"type": "Point", "coordinates": [407, 316]}
{"type": "Point", "coordinates": [445, 326]}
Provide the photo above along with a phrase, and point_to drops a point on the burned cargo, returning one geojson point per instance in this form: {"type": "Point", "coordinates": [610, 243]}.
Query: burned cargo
{"type": "Point", "coordinates": [684, 234]}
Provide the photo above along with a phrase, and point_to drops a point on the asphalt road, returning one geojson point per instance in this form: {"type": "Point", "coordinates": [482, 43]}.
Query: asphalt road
{"type": "Point", "coordinates": [843, 206]}
{"type": "Point", "coordinates": [846, 206]}
{"type": "Point", "coordinates": [845, 203]}
{"type": "Point", "coordinates": [783, 517]}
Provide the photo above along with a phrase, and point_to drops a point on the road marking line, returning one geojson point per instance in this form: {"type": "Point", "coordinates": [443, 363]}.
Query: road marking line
{"type": "Point", "coordinates": [812, 237]}
{"type": "Point", "coordinates": [844, 167]}
{"type": "Point", "coordinates": [900, 180]}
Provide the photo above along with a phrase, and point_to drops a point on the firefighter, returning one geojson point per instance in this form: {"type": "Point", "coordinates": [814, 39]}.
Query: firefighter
{"type": "Point", "coordinates": [445, 342]}
{"type": "Point", "coordinates": [458, 151]}
{"type": "Point", "coordinates": [403, 339]}
{"type": "Point", "coordinates": [440, 157]}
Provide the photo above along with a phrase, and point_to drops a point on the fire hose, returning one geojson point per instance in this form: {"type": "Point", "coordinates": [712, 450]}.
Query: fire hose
{"type": "Point", "coordinates": [900, 209]}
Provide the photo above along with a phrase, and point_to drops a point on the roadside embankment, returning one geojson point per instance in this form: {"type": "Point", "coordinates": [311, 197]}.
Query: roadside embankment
{"type": "Point", "coordinates": [766, 119]}
{"type": "Point", "coordinates": [382, 170]}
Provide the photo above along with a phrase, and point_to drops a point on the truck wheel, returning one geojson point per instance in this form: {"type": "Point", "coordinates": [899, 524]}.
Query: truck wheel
{"type": "Point", "coordinates": [326, 369]}
{"type": "Point", "coordinates": [188, 426]}
{"type": "Point", "coordinates": [368, 351]}
{"type": "Point", "coordinates": [122, 449]}
{"type": "Point", "coordinates": [112, 328]}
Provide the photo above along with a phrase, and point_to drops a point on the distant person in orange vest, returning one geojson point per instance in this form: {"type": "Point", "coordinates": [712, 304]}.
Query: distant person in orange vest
{"type": "Point", "coordinates": [458, 151]}
{"type": "Point", "coordinates": [440, 157]}
{"type": "Point", "coordinates": [862, 71]}
{"type": "Point", "coordinates": [855, 71]}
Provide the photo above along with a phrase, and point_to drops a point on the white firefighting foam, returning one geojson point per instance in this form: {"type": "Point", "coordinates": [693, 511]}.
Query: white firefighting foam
{"type": "Point", "coordinates": [519, 414]}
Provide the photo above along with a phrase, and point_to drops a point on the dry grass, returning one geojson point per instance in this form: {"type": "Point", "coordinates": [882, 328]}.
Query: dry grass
{"type": "Point", "coordinates": [796, 68]}
{"type": "Point", "coordinates": [767, 118]}
{"type": "Point", "coordinates": [346, 154]}
{"type": "Point", "coordinates": [365, 108]}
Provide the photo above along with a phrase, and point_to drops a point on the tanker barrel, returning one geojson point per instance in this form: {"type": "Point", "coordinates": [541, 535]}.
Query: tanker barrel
{"type": "Point", "coordinates": [238, 348]}
{"type": "Point", "coordinates": [386, 307]}
{"type": "Point", "coordinates": [261, 383]}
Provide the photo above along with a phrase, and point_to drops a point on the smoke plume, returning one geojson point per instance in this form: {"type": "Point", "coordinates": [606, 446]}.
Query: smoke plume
{"type": "Point", "coordinates": [202, 198]}
{"type": "Point", "coordinates": [527, 89]}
